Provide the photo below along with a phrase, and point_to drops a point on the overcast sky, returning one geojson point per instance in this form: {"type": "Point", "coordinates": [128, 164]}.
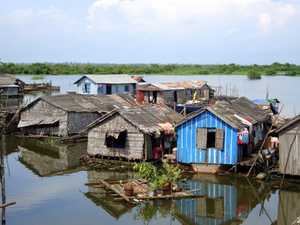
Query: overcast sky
{"type": "Point", "coordinates": [243, 32]}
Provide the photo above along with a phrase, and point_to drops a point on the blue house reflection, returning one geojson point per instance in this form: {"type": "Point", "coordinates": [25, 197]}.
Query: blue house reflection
{"type": "Point", "coordinates": [217, 206]}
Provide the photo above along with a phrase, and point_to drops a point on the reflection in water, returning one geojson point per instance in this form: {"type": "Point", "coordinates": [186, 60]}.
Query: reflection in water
{"type": "Point", "coordinates": [48, 159]}
{"type": "Point", "coordinates": [101, 197]}
{"type": "Point", "coordinates": [289, 207]}
{"type": "Point", "coordinates": [225, 200]}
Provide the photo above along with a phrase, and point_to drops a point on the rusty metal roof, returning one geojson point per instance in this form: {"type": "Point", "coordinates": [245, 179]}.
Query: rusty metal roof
{"type": "Point", "coordinates": [175, 85]}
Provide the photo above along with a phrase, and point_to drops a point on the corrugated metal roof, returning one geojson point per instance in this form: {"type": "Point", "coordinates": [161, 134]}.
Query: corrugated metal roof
{"type": "Point", "coordinates": [230, 111]}
{"type": "Point", "coordinates": [45, 121]}
{"type": "Point", "coordinates": [145, 119]}
{"type": "Point", "coordinates": [6, 79]}
{"type": "Point", "coordinates": [174, 85]}
{"type": "Point", "coordinates": [288, 123]}
{"type": "Point", "coordinates": [109, 79]}
{"type": "Point", "coordinates": [88, 103]}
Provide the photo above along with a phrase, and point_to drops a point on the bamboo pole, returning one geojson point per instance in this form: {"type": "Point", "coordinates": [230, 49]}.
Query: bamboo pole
{"type": "Point", "coordinates": [115, 190]}
{"type": "Point", "coordinates": [3, 176]}
{"type": "Point", "coordinates": [269, 131]}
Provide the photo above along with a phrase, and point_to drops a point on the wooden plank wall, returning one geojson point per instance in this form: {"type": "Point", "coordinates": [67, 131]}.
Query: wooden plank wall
{"type": "Point", "coordinates": [134, 143]}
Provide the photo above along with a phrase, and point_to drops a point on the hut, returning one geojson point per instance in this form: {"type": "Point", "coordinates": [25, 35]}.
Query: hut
{"type": "Point", "coordinates": [67, 114]}
{"type": "Point", "coordinates": [10, 86]}
{"type": "Point", "coordinates": [106, 84]}
{"type": "Point", "coordinates": [175, 92]}
{"type": "Point", "coordinates": [220, 135]}
{"type": "Point", "coordinates": [133, 134]}
{"type": "Point", "coordinates": [289, 147]}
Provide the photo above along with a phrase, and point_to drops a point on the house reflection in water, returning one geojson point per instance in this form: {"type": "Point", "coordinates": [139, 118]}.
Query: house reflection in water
{"type": "Point", "coordinates": [225, 200]}
{"type": "Point", "coordinates": [288, 207]}
{"type": "Point", "coordinates": [48, 160]}
{"type": "Point", "coordinates": [217, 205]}
{"type": "Point", "coordinates": [101, 197]}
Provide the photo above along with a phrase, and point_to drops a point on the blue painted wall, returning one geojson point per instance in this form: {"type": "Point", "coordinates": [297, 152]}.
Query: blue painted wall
{"type": "Point", "coordinates": [186, 142]}
{"type": "Point", "coordinates": [187, 207]}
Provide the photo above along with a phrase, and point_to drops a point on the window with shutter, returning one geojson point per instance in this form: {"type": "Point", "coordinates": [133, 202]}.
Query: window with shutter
{"type": "Point", "coordinates": [219, 139]}
{"type": "Point", "coordinates": [201, 138]}
{"type": "Point", "coordinates": [209, 138]}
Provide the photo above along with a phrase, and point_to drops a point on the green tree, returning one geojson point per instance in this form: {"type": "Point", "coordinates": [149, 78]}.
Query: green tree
{"type": "Point", "coordinates": [253, 75]}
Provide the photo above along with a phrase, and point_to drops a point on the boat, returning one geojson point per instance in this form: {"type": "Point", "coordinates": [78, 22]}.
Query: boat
{"type": "Point", "coordinates": [40, 87]}
{"type": "Point", "coordinates": [187, 108]}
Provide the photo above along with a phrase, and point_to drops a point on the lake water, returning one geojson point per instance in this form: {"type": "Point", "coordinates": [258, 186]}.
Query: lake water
{"type": "Point", "coordinates": [284, 88]}
{"type": "Point", "coordinates": [48, 182]}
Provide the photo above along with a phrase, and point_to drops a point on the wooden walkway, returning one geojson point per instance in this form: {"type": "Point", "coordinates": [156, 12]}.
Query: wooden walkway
{"type": "Point", "coordinates": [118, 193]}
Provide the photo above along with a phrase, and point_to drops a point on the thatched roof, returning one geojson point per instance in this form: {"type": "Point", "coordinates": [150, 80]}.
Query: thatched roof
{"type": "Point", "coordinates": [230, 112]}
{"type": "Point", "coordinates": [87, 103]}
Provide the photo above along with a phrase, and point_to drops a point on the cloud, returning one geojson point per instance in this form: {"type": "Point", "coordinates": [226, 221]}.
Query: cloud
{"type": "Point", "coordinates": [264, 23]}
{"type": "Point", "coordinates": [178, 19]}
{"type": "Point", "coordinates": [32, 23]}
{"type": "Point", "coordinates": [18, 17]}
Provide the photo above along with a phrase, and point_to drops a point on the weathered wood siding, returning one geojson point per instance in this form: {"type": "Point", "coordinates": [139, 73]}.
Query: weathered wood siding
{"type": "Point", "coordinates": [53, 159]}
{"type": "Point", "coordinates": [9, 91]}
{"type": "Point", "coordinates": [45, 111]}
{"type": "Point", "coordinates": [286, 138]}
{"type": "Point", "coordinates": [134, 141]}
{"type": "Point", "coordinates": [182, 96]}
{"type": "Point", "coordinates": [288, 207]}
{"type": "Point", "coordinates": [79, 120]}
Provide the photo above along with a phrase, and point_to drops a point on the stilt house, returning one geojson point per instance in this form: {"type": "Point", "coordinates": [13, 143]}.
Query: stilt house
{"type": "Point", "coordinates": [106, 84]}
{"type": "Point", "coordinates": [132, 133]}
{"type": "Point", "coordinates": [175, 92]}
{"type": "Point", "coordinates": [289, 147]}
{"type": "Point", "coordinates": [10, 86]}
{"type": "Point", "coordinates": [64, 115]}
{"type": "Point", "coordinates": [220, 135]}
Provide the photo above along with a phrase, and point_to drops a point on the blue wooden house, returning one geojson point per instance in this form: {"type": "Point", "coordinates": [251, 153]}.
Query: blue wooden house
{"type": "Point", "coordinates": [106, 84]}
{"type": "Point", "coordinates": [220, 135]}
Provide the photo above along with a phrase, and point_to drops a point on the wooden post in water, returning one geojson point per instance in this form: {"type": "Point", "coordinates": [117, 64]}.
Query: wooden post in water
{"type": "Point", "coordinates": [2, 177]}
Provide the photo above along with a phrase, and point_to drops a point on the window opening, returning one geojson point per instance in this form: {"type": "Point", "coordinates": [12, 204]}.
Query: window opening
{"type": "Point", "coordinates": [116, 140]}
{"type": "Point", "coordinates": [86, 87]}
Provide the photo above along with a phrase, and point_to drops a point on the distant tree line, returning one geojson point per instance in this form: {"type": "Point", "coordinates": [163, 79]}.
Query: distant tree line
{"type": "Point", "coordinates": [252, 71]}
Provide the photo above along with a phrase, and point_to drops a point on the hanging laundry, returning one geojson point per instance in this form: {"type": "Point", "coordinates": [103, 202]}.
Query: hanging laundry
{"type": "Point", "coordinates": [243, 136]}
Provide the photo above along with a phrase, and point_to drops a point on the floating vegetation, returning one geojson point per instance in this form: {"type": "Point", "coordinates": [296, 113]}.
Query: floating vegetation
{"type": "Point", "coordinates": [51, 141]}
{"type": "Point", "coordinates": [38, 78]}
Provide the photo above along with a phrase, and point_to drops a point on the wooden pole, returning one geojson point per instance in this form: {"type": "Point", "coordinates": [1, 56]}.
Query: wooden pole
{"type": "Point", "coordinates": [116, 191]}
{"type": "Point", "coordinates": [269, 131]}
{"type": "Point", "coordinates": [3, 177]}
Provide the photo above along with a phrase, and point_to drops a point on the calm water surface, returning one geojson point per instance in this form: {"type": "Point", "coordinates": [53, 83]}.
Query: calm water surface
{"type": "Point", "coordinates": [48, 182]}
{"type": "Point", "coordinates": [284, 88]}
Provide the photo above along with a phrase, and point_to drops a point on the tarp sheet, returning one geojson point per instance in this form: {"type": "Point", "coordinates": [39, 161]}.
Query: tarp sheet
{"type": "Point", "coordinates": [34, 122]}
